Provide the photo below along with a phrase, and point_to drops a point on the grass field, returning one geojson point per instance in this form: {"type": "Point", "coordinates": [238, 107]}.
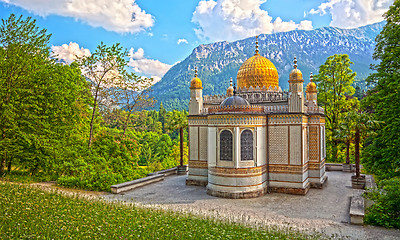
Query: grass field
{"type": "Point", "coordinates": [30, 213]}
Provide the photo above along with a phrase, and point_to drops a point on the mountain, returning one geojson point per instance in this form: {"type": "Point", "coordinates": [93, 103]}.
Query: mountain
{"type": "Point", "coordinates": [218, 62]}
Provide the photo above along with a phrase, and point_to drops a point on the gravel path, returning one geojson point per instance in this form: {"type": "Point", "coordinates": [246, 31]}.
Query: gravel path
{"type": "Point", "coordinates": [321, 210]}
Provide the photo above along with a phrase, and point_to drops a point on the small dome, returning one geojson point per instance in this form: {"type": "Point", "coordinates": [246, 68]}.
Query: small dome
{"type": "Point", "coordinates": [295, 74]}
{"type": "Point", "coordinates": [235, 101]}
{"type": "Point", "coordinates": [257, 71]}
{"type": "Point", "coordinates": [311, 86]}
{"type": "Point", "coordinates": [196, 82]}
{"type": "Point", "coordinates": [229, 91]}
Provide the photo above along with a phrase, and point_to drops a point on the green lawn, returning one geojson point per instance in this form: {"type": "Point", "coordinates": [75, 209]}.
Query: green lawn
{"type": "Point", "coordinates": [30, 213]}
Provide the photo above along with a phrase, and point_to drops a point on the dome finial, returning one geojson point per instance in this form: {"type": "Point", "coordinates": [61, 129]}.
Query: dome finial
{"type": "Point", "coordinates": [231, 81]}
{"type": "Point", "coordinates": [195, 71]}
{"type": "Point", "coordinates": [256, 44]}
{"type": "Point", "coordinates": [295, 62]}
{"type": "Point", "coordinates": [311, 77]}
{"type": "Point", "coordinates": [234, 89]}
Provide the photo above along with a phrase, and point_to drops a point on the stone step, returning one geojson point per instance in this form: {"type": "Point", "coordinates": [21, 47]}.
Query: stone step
{"type": "Point", "coordinates": [357, 208]}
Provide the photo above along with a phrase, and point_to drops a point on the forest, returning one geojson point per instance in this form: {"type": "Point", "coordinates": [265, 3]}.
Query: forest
{"type": "Point", "coordinates": [84, 124]}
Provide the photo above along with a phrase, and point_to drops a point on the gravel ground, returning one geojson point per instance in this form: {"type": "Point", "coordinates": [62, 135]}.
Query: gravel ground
{"type": "Point", "coordinates": [321, 210]}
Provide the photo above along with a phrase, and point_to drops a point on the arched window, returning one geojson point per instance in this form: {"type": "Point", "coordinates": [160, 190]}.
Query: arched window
{"type": "Point", "coordinates": [225, 143]}
{"type": "Point", "coordinates": [246, 145]}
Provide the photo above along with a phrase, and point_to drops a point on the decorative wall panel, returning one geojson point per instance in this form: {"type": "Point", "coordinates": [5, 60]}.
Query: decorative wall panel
{"type": "Point", "coordinates": [203, 143]}
{"type": "Point", "coordinates": [193, 143]}
{"type": "Point", "coordinates": [313, 144]}
{"type": "Point", "coordinates": [278, 144]}
{"type": "Point", "coordinates": [295, 145]}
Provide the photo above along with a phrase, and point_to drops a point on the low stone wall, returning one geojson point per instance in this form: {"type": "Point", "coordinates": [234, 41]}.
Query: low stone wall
{"type": "Point", "coordinates": [126, 186]}
{"type": "Point", "coordinates": [166, 172]}
{"type": "Point", "coordinates": [151, 178]}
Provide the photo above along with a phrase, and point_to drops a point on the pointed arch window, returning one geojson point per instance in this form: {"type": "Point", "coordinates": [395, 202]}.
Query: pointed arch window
{"type": "Point", "coordinates": [226, 146]}
{"type": "Point", "coordinates": [246, 145]}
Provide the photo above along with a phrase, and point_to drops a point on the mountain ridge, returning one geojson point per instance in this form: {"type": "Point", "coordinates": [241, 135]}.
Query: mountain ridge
{"type": "Point", "coordinates": [217, 62]}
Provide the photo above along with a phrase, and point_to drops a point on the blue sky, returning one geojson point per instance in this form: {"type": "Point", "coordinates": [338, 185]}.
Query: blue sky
{"type": "Point", "coordinates": [160, 33]}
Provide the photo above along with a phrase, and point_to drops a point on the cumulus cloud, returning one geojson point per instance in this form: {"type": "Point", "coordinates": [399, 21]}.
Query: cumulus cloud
{"type": "Point", "coordinates": [353, 13]}
{"type": "Point", "coordinates": [70, 52]}
{"type": "Point", "coordinates": [122, 16]}
{"type": "Point", "coordinates": [182, 40]}
{"type": "Point", "coordinates": [148, 67]}
{"type": "Point", "coordinates": [235, 19]}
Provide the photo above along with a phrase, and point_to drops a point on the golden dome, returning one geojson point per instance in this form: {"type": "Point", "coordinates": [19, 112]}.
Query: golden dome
{"type": "Point", "coordinates": [295, 74]}
{"type": "Point", "coordinates": [196, 82]}
{"type": "Point", "coordinates": [257, 71]}
{"type": "Point", "coordinates": [229, 91]}
{"type": "Point", "coordinates": [311, 86]}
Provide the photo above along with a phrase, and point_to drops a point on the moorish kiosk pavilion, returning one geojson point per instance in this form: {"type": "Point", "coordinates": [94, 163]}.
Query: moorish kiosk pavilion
{"type": "Point", "coordinates": [257, 139]}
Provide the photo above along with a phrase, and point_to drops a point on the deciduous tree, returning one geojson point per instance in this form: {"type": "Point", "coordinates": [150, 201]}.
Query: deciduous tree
{"type": "Point", "coordinates": [334, 83]}
{"type": "Point", "coordinates": [382, 156]}
{"type": "Point", "coordinates": [104, 69]}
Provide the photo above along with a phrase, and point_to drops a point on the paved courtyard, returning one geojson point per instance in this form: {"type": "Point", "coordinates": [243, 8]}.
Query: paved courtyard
{"type": "Point", "coordinates": [322, 210]}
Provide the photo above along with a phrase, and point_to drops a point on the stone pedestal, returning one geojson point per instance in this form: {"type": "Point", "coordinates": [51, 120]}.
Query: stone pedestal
{"type": "Point", "coordinates": [347, 167]}
{"type": "Point", "coordinates": [182, 170]}
{"type": "Point", "coordinates": [358, 183]}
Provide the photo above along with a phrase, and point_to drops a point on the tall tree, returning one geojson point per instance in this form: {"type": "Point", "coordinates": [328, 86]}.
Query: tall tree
{"type": "Point", "coordinates": [334, 83]}
{"type": "Point", "coordinates": [38, 98]}
{"type": "Point", "coordinates": [23, 46]}
{"type": "Point", "coordinates": [178, 120]}
{"type": "Point", "coordinates": [382, 155]}
{"type": "Point", "coordinates": [104, 69]}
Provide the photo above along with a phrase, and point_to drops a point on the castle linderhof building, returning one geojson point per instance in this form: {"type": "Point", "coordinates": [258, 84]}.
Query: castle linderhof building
{"type": "Point", "coordinates": [257, 139]}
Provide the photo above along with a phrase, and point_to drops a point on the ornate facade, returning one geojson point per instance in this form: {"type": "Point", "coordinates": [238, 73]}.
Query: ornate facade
{"type": "Point", "coordinates": [257, 139]}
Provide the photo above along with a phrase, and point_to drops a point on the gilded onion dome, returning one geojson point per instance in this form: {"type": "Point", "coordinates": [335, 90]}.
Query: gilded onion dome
{"type": "Point", "coordinates": [295, 75]}
{"type": "Point", "coordinates": [229, 91]}
{"type": "Point", "coordinates": [311, 86]}
{"type": "Point", "coordinates": [196, 82]}
{"type": "Point", "coordinates": [257, 71]}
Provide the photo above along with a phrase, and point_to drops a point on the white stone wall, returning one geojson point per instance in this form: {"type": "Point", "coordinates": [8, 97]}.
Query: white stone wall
{"type": "Point", "coordinates": [212, 147]}
{"type": "Point", "coordinates": [196, 101]}
{"type": "Point", "coordinates": [260, 146]}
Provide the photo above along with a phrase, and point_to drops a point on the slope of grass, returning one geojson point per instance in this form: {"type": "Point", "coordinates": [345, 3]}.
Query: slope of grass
{"type": "Point", "coordinates": [30, 213]}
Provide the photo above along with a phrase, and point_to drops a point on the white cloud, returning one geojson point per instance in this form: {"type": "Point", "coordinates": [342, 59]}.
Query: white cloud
{"type": "Point", "coordinates": [69, 53]}
{"type": "Point", "coordinates": [235, 19]}
{"type": "Point", "coordinates": [136, 55]}
{"type": "Point", "coordinates": [148, 67]}
{"type": "Point", "coordinates": [353, 13]}
{"type": "Point", "coordinates": [182, 40]}
{"type": "Point", "coordinates": [122, 16]}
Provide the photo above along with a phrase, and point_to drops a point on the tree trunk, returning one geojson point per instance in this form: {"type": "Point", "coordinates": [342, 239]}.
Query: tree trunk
{"type": "Point", "coordinates": [2, 164]}
{"type": "Point", "coordinates": [335, 150]}
{"type": "Point", "coordinates": [3, 158]}
{"type": "Point", "coordinates": [357, 152]}
{"type": "Point", "coordinates": [348, 152]}
{"type": "Point", "coordinates": [126, 121]}
{"type": "Point", "coordinates": [9, 165]}
{"type": "Point", "coordinates": [181, 140]}
{"type": "Point", "coordinates": [92, 121]}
